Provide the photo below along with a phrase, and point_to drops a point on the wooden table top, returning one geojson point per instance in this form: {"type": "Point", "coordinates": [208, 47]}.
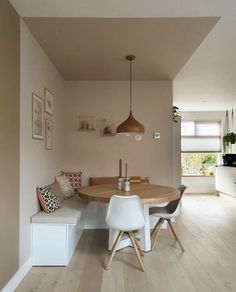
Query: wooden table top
{"type": "Point", "coordinates": [148, 193]}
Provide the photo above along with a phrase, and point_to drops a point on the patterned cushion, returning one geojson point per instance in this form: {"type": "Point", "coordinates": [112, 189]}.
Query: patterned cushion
{"type": "Point", "coordinates": [65, 186]}
{"type": "Point", "coordinates": [57, 190]}
{"type": "Point", "coordinates": [48, 199]}
{"type": "Point", "coordinates": [74, 178]}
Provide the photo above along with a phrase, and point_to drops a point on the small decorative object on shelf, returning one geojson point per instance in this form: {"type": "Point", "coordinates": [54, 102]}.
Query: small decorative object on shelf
{"type": "Point", "coordinates": [86, 123]}
{"type": "Point", "coordinates": [109, 129]}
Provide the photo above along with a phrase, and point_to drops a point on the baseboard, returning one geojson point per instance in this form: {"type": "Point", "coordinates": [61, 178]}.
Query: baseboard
{"type": "Point", "coordinates": [18, 277]}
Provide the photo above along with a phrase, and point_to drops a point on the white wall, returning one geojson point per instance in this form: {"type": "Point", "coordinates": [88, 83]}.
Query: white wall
{"type": "Point", "coordinates": [201, 184]}
{"type": "Point", "coordinates": [38, 166]}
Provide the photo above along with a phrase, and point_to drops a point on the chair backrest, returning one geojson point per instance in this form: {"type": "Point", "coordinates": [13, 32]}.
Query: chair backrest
{"type": "Point", "coordinates": [125, 213]}
{"type": "Point", "coordinates": [139, 179]}
{"type": "Point", "coordinates": [94, 181]}
{"type": "Point", "coordinates": [173, 205]}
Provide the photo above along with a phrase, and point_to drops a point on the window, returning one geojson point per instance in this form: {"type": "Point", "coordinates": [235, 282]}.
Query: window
{"type": "Point", "coordinates": [197, 164]}
{"type": "Point", "coordinates": [200, 145]}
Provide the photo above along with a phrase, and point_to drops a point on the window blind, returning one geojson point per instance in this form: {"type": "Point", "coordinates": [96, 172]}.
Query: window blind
{"type": "Point", "coordinates": [201, 136]}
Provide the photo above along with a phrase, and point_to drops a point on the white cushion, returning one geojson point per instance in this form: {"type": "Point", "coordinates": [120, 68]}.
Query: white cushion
{"type": "Point", "coordinates": [65, 186]}
{"type": "Point", "coordinates": [69, 213]}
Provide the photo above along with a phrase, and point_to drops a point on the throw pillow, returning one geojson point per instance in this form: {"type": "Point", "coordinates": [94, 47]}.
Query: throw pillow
{"type": "Point", "coordinates": [74, 178]}
{"type": "Point", "coordinates": [48, 199]}
{"type": "Point", "coordinates": [57, 190]}
{"type": "Point", "coordinates": [65, 186]}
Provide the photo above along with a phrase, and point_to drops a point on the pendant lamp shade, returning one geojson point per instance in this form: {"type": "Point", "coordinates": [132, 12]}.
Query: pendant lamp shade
{"type": "Point", "coordinates": [130, 125]}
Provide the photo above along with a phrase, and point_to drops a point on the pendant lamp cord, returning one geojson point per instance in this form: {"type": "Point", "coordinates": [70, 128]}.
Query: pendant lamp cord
{"type": "Point", "coordinates": [131, 98]}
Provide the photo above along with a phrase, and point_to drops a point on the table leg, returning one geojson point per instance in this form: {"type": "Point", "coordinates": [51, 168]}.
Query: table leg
{"type": "Point", "coordinates": [145, 240]}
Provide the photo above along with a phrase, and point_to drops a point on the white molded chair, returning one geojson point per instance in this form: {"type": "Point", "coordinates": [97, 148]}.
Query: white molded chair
{"type": "Point", "coordinates": [168, 212]}
{"type": "Point", "coordinates": [125, 213]}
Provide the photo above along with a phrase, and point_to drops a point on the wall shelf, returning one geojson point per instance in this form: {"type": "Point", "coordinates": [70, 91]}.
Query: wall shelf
{"type": "Point", "coordinates": [86, 130]}
{"type": "Point", "coordinates": [109, 135]}
{"type": "Point", "coordinates": [86, 123]}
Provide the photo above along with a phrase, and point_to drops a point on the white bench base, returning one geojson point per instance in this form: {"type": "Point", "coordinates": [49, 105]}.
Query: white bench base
{"type": "Point", "coordinates": [54, 244]}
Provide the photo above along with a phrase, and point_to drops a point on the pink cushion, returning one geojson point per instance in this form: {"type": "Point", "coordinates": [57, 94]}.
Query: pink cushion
{"type": "Point", "coordinates": [74, 178]}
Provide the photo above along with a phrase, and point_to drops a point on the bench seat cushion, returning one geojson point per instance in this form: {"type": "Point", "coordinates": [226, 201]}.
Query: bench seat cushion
{"type": "Point", "coordinates": [69, 213]}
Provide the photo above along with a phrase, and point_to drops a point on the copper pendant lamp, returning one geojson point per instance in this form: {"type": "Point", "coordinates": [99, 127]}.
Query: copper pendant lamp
{"type": "Point", "coordinates": [130, 125]}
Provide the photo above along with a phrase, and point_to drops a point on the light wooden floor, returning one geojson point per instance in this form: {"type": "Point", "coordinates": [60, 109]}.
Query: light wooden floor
{"type": "Point", "coordinates": [207, 228]}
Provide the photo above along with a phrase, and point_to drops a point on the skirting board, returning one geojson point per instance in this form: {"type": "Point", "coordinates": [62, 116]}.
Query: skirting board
{"type": "Point", "coordinates": [18, 277]}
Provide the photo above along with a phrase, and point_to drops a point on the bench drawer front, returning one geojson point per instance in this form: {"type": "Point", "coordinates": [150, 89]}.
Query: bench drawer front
{"type": "Point", "coordinates": [49, 244]}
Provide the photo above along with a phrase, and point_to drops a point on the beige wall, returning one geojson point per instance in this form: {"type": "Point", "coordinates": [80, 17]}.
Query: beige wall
{"type": "Point", "coordinates": [98, 156]}
{"type": "Point", "coordinates": [9, 140]}
{"type": "Point", "coordinates": [38, 166]}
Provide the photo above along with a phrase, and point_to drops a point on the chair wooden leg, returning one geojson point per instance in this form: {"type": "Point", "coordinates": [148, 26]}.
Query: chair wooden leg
{"type": "Point", "coordinates": [137, 244]}
{"type": "Point", "coordinates": [155, 227]}
{"type": "Point", "coordinates": [113, 250]}
{"type": "Point", "coordinates": [155, 235]}
{"type": "Point", "coordinates": [174, 233]}
{"type": "Point", "coordinates": [136, 250]}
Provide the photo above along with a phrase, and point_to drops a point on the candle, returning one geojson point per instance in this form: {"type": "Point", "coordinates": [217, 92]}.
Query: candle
{"type": "Point", "coordinates": [126, 171]}
{"type": "Point", "coordinates": [120, 168]}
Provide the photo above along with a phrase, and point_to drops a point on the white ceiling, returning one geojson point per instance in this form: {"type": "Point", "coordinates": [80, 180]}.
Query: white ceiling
{"type": "Point", "coordinates": [209, 75]}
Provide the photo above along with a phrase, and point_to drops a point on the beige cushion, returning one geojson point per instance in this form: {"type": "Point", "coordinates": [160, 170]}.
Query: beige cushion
{"type": "Point", "coordinates": [69, 213]}
{"type": "Point", "coordinates": [57, 190]}
{"type": "Point", "coordinates": [65, 186]}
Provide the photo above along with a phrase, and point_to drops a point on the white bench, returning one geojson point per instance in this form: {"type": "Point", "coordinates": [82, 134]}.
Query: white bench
{"type": "Point", "coordinates": [55, 235]}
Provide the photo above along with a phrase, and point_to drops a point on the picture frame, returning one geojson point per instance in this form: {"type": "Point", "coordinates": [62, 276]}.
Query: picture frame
{"type": "Point", "coordinates": [48, 101]}
{"type": "Point", "coordinates": [37, 117]}
{"type": "Point", "coordinates": [48, 134]}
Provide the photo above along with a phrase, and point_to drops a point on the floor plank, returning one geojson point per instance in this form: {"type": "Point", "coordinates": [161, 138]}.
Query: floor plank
{"type": "Point", "coordinates": [206, 227]}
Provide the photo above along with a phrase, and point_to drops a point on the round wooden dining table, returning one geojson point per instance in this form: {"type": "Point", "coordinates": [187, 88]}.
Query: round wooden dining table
{"type": "Point", "coordinates": [149, 194]}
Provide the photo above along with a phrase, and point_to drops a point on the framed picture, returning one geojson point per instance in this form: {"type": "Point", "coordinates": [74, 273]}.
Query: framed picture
{"type": "Point", "coordinates": [48, 100]}
{"type": "Point", "coordinates": [48, 134]}
{"type": "Point", "coordinates": [37, 117]}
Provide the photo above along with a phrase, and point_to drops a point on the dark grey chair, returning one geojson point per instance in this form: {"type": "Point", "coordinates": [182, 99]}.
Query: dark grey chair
{"type": "Point", "coordinates": [168, 212]}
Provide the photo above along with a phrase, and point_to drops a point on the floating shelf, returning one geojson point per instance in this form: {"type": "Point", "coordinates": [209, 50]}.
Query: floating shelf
{"type": "Point", "coordinates": [86, 130]}
{"type": "Point", "coordinates": [109, 135]}
{"type": "Point", "coordinates": [86, 123]}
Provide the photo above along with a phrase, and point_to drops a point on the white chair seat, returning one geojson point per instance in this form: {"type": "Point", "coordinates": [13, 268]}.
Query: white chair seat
{"type": "Point", "coordinates": [125, 213]}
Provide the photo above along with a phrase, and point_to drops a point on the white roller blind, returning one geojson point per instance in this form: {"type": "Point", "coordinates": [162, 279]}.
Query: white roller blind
{"type": "Point", "coordinates": [207, 128]}
{"type": "Point", "coordinates": [201, 136]}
